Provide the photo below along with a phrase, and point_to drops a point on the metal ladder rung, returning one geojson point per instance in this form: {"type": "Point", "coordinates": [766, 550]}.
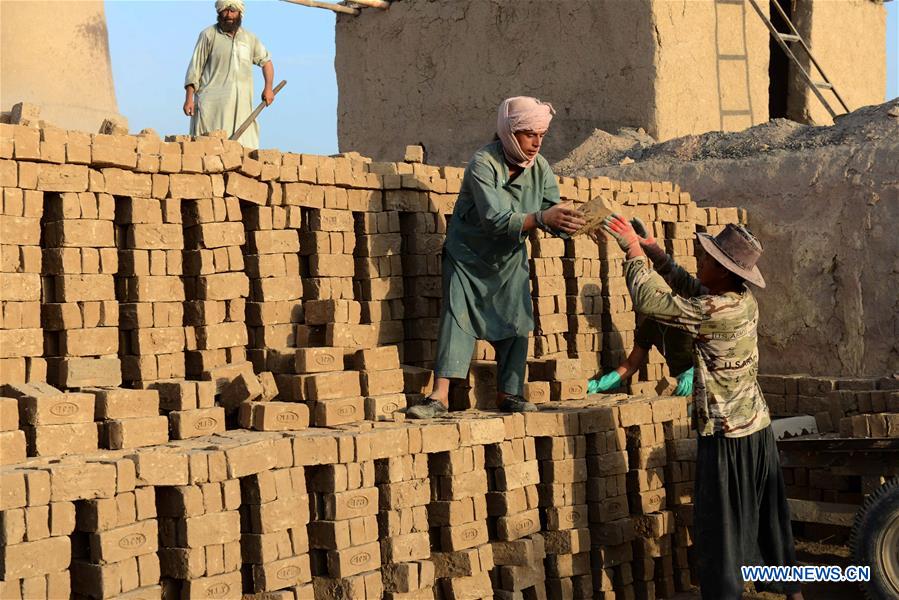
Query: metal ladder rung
{"type": "Point", "coordinates": [789, 37]}
{"type": "Point", "coordinates": [823, 85]}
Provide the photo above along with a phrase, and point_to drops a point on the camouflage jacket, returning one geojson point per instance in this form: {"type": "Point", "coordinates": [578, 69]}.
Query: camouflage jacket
{"type": "Point", "coordinates": [726, 396]}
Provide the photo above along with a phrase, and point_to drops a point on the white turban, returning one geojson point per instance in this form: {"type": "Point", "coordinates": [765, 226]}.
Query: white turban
{"type": "Point", "coordinates": [237, 5]}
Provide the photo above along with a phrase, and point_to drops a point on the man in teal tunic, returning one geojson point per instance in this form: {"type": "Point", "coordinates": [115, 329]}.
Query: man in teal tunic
{"type": "Point", "coordinates": [507, 191]}
{"type": "Point", "coordinates": [218, 86]}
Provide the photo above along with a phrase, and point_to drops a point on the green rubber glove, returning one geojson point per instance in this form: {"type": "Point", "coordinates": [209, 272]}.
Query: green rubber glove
{"type": "Point", "coordinates": [605, 383]}
{"type": "Point", "coordinates": [684, 383]}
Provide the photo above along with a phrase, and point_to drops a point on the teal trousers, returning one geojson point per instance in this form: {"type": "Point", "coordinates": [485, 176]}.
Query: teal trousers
{"type": "Point", "coordinates": [455, 348]}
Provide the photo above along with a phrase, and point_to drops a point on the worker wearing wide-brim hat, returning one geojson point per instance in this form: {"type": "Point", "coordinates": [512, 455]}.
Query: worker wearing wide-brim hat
{"type": "Point", "coordinates": [742, 514]}
{"type": "Point", "coordinates": [507, 191]}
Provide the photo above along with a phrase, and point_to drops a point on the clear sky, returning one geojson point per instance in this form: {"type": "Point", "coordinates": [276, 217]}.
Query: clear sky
{"type": "Point", "coordinates": [151, 43]}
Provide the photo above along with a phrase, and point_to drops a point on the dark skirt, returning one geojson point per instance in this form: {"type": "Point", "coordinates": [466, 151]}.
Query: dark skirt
{"type": "Point", "coordinates": [741, 513]}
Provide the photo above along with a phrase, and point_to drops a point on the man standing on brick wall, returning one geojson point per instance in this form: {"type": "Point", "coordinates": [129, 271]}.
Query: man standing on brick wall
{"type": "Point", "coordinates": [218, 86]}
{"type": "Point", "coordinates": [507, 191]}
{"type": "Point", "coordinates": [744, 519]}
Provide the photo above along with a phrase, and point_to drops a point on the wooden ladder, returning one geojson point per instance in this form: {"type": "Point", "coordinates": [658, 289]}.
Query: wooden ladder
{"type": "Point", "coordinates": [783, 39]}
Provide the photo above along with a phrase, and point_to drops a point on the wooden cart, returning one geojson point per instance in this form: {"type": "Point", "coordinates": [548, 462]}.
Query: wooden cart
{"type": "Point", "coordinates": [874, 523]}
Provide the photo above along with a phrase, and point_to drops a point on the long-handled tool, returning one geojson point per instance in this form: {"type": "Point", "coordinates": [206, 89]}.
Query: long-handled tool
{"type": "Point", "coordinates": [256, 112]}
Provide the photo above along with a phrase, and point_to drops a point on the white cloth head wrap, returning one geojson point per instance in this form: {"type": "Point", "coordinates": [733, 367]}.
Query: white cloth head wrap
{"type": "Point", "coordinates": [521, 113]}
{"type": "Point", "coordinates": [237, 5]}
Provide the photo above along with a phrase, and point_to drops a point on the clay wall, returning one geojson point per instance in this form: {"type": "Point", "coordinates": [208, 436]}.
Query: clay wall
{"type": "Point", "coordinates": [434, 72]}
{"type": "Point", "coordinates": [847, 39]}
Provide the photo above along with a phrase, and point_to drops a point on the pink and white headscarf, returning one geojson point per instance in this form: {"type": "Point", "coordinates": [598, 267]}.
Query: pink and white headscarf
{"type": "Point", "coordinates": [521, 113]}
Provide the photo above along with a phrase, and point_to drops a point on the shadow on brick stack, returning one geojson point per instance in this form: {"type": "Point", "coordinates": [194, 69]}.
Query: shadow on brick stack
{"type": "Point", "coordinates": [457, 514]}
{"type": "Point", "coordinates": [216, 286]}
{"type": "Point", "coordinates": [149, 283]}
{"type": "Point", "coordinates": [563, 502]}
{"type": "Point", "coordinates": [512, 504]}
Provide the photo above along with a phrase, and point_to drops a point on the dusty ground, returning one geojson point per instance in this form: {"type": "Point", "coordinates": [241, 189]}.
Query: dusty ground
{"type": "Point", "coordinates": [810, 553]}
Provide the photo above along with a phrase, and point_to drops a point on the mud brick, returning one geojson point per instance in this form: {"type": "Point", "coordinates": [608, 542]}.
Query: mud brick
{"type": "Point", "coordinates": [337, 411]}
{"type": "Point", "coordinates": [466, 535]}
{"type": "Point", "coordinates": [377, 359]}
{"type": "Point", "coordinates": [377, 383]}
{"type": "Point", "coordinates": [647, 502]}
{"type": "Point", "coordinates": [612, 509]}
{"type": "Point", "coordinates": [349, 505]}
{"type": "Point", "coordinates": [383, 408]}
{"type": "Point", "coordinates": [318, 360]}
{"type": "Point", "coordinates": [121, 543]}
{"type": "Point", "coordinates": [642, 480]}
{"type": "Point", "coordinates": [197, 422]}
{"type": "Point", "coordinates": [519, 525]}
{"type": "Point", "coordinates": [12, 447]}
{"type": "Point", "coordinates": [281, 574]}
{"type": "Point", "coordinates": [245, 387]}
{"type": "Point", "coordinates": [274, 416]}
{"type": "Point", "coordinates": [133, 433]}
{"type": "Point", "coordinates": [328, 386]}
{"type": "Point", "coordinates": [647, 457]}
{"type": "Point", "coordinates": [566, 517]}
{"type": "Point", "coordinates": [227, 585]}
{"type": "Point", "coordinates": [467, 588]}
{"type": "Point", "coordinates": [177, 395]}
{"type": "Point", "coordinates": [355, 560]}
{"type": "Point", "coordinates": [124, 404]}
{"type": "Point", "coordinates": [502, 504]}
{"type": "Point", "coordinates": [79, 233]}
{"type": "Point", "coordinates": [33, 559]}
{"type": "Point", "coordinates": [404, 494]}
{"type": "Point", "coordinates": [404, 548]}
{"type": "Point", "coordinates": [563, 471]}
{"type": "Point", "coordinates": [320, 312]}
{"type": "Point", "coordinates": [337, 535]}
{"type": "Point", "coordinates": [634, 413]}
{"type": "Point", "coordinates": [612, 463]}
{"type": "Point", "coordinates": [349, 335]}
{"type": "Point", "coordinates": [42, 404]}
{"type": "Point", "coordinates": [50, 440]}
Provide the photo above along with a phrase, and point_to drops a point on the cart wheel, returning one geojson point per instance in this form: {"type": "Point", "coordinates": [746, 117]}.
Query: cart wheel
{"type": "Point", "coordinates": [875, 541]}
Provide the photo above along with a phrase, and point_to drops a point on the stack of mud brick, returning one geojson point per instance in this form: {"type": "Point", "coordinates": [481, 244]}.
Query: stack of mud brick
{"type": "Point", "coordinates": [150, 289]}
{"type": "Point", "coordinates": [680, 474]}
{"type": "Point", "coordinates": [564, 376]}
{"type": "Point", "coordinates": [549, 295]}
{"type": "Point", "coordinates": [54, 422]}
{"type": "Point", "coordinates": [404, 492]}
{"type": "Point", "coordinates": [513, 476]}
{"type": "Point", "coordinates": [128, 419]}
{"type": "Point", "coordinates": [35, 547]}
{"type": "Point", "coordinates": [12, 439]}
{"type": "Point", "coordinates": [563, 503]}
{"type": "Point", "coordinates": [274, 543]}
{"type": "Point", "coordinates": [38, 518]}
{"type": "Point", "coordinates": [848, 407]}
{"type": "Point", "coordinates": [190, 408]}
{"type": "Point", "coordinates": [21, 338]}
{"type": "Point", "coordinates": [423, 237]}
{"type": "Point", "coordinates": [382, 381]}
{"type": "Point", "coordinates": [457, 513]}
{"type": "Point", "coordinates": [80, 313]}
{"type": "Point", "coordinates": [215, 282]}
{"type": "Point", "coordinates": [343, 531]}
{"type": "Point", "coordinates": [271, 257]}
{"type": "Point", "coordinates": [114, 546]}
{"type": "Point", "coordinates": [378, 277]}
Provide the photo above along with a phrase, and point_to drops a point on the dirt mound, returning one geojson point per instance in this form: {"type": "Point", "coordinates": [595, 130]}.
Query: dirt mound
{"type": "Point", "coordinates": [603, 148]}
{"type": "Point", "coordinates": [857, 128]}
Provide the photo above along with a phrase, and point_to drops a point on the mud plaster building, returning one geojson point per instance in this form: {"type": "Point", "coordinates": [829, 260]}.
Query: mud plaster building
{"type": "Point", "coordinates": [433, 72]}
